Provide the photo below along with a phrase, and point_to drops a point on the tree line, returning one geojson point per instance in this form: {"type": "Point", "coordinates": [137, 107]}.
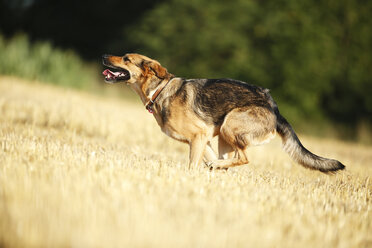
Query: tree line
{"type": "Point", "coordinates": [315, 56]}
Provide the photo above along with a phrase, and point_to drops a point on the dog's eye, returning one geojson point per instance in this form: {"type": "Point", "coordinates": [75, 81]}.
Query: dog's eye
{"type": "Point", "coordinates": [126, 59]}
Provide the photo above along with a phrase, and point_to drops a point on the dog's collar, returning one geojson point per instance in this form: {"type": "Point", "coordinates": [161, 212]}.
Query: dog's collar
{"type": "Point", "coordinates": [150, 103]}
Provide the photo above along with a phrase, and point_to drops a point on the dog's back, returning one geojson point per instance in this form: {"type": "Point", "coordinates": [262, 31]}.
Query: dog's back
{"type": "Point", "coordinates": [215, 98]}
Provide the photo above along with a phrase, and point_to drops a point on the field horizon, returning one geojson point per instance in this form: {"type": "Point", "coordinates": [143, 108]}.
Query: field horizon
{"type": "Point", "coordinates": [84, 170]}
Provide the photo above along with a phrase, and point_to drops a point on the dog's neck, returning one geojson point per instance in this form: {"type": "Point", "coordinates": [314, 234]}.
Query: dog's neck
{"type": "Point", "coordinates": [153, 87]}
{"type": "Point", "coordinates": [146, 92]}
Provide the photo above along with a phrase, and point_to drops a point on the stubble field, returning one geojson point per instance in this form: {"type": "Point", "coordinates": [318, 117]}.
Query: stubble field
{"type": "Point", "coordinates": [79, 170]}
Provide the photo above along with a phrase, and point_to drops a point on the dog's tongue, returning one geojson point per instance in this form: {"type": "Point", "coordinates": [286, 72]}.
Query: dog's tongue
{"type": "Point", "coordinates": [109, 73]}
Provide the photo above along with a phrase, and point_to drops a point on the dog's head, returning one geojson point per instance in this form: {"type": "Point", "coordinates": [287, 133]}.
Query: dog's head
{"type": "Point", "coordinates": [133, 68]}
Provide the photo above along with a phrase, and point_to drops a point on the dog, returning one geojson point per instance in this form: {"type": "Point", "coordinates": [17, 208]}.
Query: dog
{"type": "Point", "coordinates": [194, 111]}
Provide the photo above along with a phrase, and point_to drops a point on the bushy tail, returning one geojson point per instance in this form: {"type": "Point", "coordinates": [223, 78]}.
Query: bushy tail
{"type": "Point", "coordinates": [293, 146]}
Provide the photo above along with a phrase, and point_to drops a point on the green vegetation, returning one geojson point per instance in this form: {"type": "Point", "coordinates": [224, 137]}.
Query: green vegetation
{"type": "Point", "coordinates": [42, 62]}
{"type": "Point", "coordinates": [314, 56]}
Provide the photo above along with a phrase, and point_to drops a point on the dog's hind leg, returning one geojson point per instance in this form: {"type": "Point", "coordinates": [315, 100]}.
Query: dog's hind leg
{"type": "Point", "coordinates": [239, 159]}
{"type": "Point", "coordinates": [242, 128]}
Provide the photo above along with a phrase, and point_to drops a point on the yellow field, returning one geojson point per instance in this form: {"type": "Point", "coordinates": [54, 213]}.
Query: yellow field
{"type": "Point", "coordinates": [78, 170]}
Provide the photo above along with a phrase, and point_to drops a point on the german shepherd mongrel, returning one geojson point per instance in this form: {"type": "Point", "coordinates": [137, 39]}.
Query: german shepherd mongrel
{"type": "Point", "coordinates": [195, 110]}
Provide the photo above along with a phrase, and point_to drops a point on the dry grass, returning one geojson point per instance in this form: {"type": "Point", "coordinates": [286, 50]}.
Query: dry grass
{"type": "Point", "coordinates": [78, 170]}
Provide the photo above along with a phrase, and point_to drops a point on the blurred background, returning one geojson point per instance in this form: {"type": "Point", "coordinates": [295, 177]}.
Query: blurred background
{"type": "Point", "coordinates": [315, 56]}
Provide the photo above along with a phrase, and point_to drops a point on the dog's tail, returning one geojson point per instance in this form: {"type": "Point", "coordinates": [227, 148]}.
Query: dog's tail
{"type": "Point", "coordinates": [293, 146]}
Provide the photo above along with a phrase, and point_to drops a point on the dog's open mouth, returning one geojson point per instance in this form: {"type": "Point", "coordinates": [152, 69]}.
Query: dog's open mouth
{"type": "Point", "coordinates": [119, 75]}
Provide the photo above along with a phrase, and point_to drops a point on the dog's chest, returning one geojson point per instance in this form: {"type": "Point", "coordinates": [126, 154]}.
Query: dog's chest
{"type": "Point", "coordinates": [168, 130]}
{"type": "Point", "coordinates": [181, 123]}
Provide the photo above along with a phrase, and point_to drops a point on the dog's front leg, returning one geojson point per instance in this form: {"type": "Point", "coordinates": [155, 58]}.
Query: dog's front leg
{"type": "Point", "coordinates": [197, 148]}
{"type": "Point", "coordinates": [209, 153]}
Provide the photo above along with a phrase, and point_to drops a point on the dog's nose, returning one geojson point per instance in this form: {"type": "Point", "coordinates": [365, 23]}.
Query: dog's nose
{"type": "Point", "coordinates": [105, 59]}
{"type": "Point", "coordinates": [105, 56]}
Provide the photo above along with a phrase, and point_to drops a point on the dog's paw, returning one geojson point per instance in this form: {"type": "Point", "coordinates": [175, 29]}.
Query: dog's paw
{"type": "Point", "coordinates": [212, 166]}
{"type": "Point", "coordinates": [209, 164]}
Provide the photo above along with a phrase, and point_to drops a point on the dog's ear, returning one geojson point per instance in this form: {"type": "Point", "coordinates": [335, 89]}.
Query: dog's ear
{"type": "Point", "coordinates": [159, 70]}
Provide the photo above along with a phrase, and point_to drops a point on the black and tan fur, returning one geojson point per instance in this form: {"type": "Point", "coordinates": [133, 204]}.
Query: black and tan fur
{"type": "Point", "coordinates": [195, 110]}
